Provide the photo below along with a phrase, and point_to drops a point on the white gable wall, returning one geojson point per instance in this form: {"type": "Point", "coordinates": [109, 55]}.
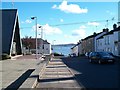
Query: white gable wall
{"type": "Point", "coordinates": [75, 50]}
{"type": "Point", "coordinates": [116, 52]}
{"type": "Point", "coordinates": [100, 45]}
{"type": "Point", "coordinates": [97, 38]}
{"type": "Point", "coordinates": [47, 49]}
{"type": "Point", "coordinates": [109, 43]}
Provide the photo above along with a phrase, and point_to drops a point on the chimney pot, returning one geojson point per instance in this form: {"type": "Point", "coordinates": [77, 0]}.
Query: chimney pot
{"type": "Point", "coordinates": [114, 26]}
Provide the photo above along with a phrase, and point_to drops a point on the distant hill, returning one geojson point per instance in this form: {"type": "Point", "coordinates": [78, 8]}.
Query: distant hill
{"type": "Point", "coordinates": [64, 44]}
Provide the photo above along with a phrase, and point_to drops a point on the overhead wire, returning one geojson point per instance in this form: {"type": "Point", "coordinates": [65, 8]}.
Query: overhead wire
{"type": "Point", "coordinates": [75, 23]}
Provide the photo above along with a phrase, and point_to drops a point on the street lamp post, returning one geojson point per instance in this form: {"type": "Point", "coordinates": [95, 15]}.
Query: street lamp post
{"type": "Point", "coordinates": [41, 39]}
{"type": "Point", "coordinates": [35, 35]}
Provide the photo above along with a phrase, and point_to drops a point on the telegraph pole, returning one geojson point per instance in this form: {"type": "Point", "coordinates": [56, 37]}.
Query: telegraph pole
{"type": "Point", "coordinates": [13, 4]}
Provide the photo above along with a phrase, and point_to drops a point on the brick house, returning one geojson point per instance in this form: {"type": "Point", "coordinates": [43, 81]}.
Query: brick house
{"type": "Point", "coordinates": [29, 45]}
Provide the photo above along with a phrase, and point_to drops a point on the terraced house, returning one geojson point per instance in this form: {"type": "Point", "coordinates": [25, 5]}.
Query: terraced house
{"type": "Point", "coordinates": [89, 44]}
{"type": "Point", "coordinates": [110, 42]}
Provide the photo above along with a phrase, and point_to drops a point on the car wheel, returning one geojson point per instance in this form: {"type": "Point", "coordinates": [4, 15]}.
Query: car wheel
{"type": "Point", "coordinates": [99, 62]}
{"type": "Point", "coordinates": [113, 62]}
{"type": "Point", "coordinates": [90, 61]}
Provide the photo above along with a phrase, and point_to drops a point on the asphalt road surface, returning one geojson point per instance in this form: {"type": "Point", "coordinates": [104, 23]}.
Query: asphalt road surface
{"type": "Point", "coordinates": [94, 76]}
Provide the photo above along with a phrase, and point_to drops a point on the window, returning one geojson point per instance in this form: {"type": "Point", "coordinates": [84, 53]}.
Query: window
{"type": "Point", "coordinates": [119, 36]}
{"type": "Point", "coordinates": [98, 42]}
{"type": "Point", "coordinates": [105, 40]}
{"type": "Point", "coordinates": [108, 41]}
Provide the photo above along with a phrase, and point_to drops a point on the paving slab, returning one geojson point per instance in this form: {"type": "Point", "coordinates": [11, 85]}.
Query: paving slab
{"type": "Point", "coordinates": [57, 75]}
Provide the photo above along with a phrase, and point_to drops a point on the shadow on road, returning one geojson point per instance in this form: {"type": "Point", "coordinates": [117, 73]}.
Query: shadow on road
{"type": "Point", "coordinates": [94, 76]}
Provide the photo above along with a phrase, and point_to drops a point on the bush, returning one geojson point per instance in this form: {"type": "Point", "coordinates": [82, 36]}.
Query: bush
{"type": "Point", "coordinates": [82, 55]}
{"type": "Point", "coordinates": [5, 56]}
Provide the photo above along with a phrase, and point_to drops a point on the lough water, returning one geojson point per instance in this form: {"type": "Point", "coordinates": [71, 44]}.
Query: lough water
{"type": "Point", "coordinates": [62, 49]}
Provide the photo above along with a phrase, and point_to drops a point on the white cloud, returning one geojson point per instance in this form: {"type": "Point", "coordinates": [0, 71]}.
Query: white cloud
{"type": "Point", "coordinates": [81, 32]}
{"type": "Point", "coordinates": [54, 6]}
{"type": "Point", "coordinates": [34, 27]}
{"type": "Point", "coordinates": [70, 8]}
{"type": "Point", "coordinates": [51, 30]}
{"type": "Point", "coordinates": [107, 11]}
{"type": "Point", "coordinates": [110, 13]}
{"type": "Point", "coordinates": [94, 23]}
{"type": "Point", "coordinates": [27, 21]}
{"type": "Point", "coordinates": [22, 22]}
{"type": "Point", "coordinates": [67, 36]}
{"type": "Point", "coordinates": [82, 27]}
{"type": "Point", "coordinates": [61, 20]}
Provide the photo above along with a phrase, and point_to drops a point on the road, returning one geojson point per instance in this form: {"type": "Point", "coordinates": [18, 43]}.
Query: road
{"type": "Point", "coordinates": [93, 75]}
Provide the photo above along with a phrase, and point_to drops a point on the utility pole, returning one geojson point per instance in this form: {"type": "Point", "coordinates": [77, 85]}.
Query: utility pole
{"type": "Point", "coordinates": [42, 42]}
{"type": "Point", "coordinates": [13, 4]}
{"type": "Point", "coordinates": [107, 24]}
{"type": "Point", "coordinates": [36, 36]}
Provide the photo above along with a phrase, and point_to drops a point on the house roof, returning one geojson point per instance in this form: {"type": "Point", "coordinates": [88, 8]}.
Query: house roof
{"type": "Point", "coordinates": [75, 45]}
{"type": "Point", "coordinates": [33, 40]}
{"type": "Point", "coordinates": [91, 36]}
{"type": "Point", "coordinates": [111, 32]}
{"type": "Point", "coordinates": [9, 23]}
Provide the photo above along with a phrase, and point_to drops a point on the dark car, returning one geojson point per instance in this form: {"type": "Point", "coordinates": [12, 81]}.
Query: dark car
{"type": "Point", "coordinates": [87, 54]}
{"type": "Point", "coordinates": [117, 58]}
{"type": "Point", "coordinates": [101, 57]}
{"type": "Point", "coordinates": [73, 55]}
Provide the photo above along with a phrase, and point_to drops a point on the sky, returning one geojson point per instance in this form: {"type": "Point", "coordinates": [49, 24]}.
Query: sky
{"type": "Point", "coordinates": [64, 22]}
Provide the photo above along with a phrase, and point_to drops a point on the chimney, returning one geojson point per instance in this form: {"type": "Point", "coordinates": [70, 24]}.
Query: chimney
{"type": "Point", "coordinates": [105, 30]}
{"type": "Point", "coordinates": [119, 27]}
{"type": "Point", "coordinates": [118, 23]}
{"type": "Point", "coordinates": [79, 41]}
{"type": "Point", "coordinates": [45, 40]}
{"type": "Point", "coordinates": [114, 26]}
{"type": "Point", "coordinates": [94, 33]}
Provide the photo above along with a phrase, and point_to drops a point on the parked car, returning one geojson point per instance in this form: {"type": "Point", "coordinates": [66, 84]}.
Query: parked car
{"type": "Point", "coordinates": [101, 57]}
{"type": "Point", "coordinates": [115, 56]}
{"type": "Point", "coordinates": [73, 55]}
{"type": "Point", "coordinates": [87, 54]}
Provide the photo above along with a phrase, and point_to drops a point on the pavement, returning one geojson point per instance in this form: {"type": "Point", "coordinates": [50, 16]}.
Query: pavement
{"type": "Point", "coordinates": [15, 72]}
{"type": "Point", "coordinates": [57, 76]}
{"type": "Point", "coordinates": [45, 74]}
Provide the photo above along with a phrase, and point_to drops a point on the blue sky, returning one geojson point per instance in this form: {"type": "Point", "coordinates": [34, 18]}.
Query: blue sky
{"type": "Point", "coordinates": [89, 16]}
